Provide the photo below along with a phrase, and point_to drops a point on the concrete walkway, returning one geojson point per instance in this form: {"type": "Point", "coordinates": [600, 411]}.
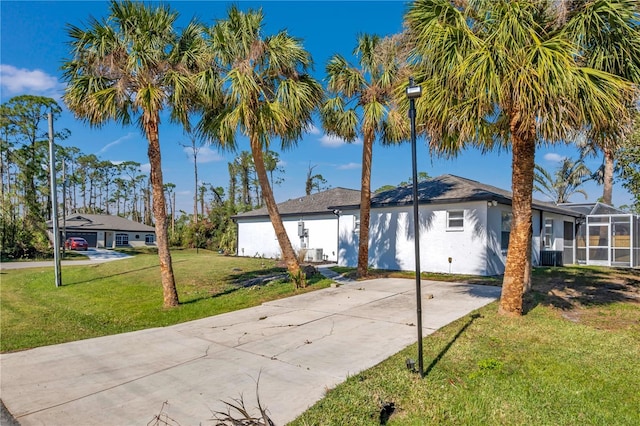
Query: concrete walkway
{"type": "Point", "coordinates": [298, 347]}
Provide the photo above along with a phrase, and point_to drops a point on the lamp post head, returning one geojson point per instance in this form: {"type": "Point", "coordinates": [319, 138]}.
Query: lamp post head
{"type": "Point", "coordinates": [413, 91]}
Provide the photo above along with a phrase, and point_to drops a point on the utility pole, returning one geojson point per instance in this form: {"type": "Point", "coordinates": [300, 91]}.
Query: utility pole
{"type": "Point", "coordinates": [54, 204]}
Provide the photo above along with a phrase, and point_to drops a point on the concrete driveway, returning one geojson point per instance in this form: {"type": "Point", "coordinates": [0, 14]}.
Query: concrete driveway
{"type": "Point", "coordinates": [95, 255]}
{"type": "Point", "coordinates": [298, 347]}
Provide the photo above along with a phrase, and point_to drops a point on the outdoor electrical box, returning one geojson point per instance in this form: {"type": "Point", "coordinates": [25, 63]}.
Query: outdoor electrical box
{"type": "Point", "coordinates": [301, 229]}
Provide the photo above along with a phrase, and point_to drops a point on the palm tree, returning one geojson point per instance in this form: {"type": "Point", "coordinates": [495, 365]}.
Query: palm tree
{"type": "Point", "coordinates": [608, 34]}
{"type": "Point", "coordinates": [567, 179]}
{"type": "Point", "coordinates": [134, 65]}
{"type": "Point", "coordinates": [267, 93]}
{"type": "Point", "coordinates": [500, 74]}
{"type": "Point", "coordinates": [361, 102]}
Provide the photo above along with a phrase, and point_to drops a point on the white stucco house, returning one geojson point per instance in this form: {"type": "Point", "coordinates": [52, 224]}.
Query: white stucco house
{"type": "Point", "coordinates": [310, 223]}
{"type": "Point", "coordinates": [105, 231]}
{"type": "Point", "coordinates": [464, 228]}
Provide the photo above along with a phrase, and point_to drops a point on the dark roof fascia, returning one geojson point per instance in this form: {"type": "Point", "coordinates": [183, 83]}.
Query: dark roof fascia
{"type": "Point", "coordinates": [283, 215]}
{"type": "Point", "coordinates": [316, 203]}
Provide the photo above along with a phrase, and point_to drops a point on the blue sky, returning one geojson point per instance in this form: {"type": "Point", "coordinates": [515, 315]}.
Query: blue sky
{"type": "Point", "coordinates": [33, 47]}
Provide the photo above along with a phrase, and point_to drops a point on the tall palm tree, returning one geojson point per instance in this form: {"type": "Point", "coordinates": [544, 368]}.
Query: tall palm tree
{"type": "Point", "coordinates": [608, 35]}
{"type": "Point", "coordinates": [504, 74]}
{"type": "Point", "coordinates": [565, 181]}
{"type": "Point", "coordinates": [134, 65]}
{"type": "Point", "coordinates": [361, 102]}
{"type": "Point", "coordinates": [268, 93]}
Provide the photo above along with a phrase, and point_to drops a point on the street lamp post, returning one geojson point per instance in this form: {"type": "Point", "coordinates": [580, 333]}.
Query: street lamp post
{"type": "Point", "coordinates": [413, 93]}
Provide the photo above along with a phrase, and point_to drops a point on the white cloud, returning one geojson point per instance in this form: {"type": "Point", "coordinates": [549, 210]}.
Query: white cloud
{"type": "Point", "coordinates": [313, 130]}
{"type": "Point", "coordinates": [23, 81]}
{"type": "Point", "coordinates": [336, 142]}
{"type": "Point", "coordinates": [552, 157]}
{"type": "Point", "coordinates": [145, 168]}
{"type": "Point", "coordinates": [116, 142]}
{"type": "Point", "coordinates": [205, 154]}
{"type": "Point", "coordinates": [349, 166]}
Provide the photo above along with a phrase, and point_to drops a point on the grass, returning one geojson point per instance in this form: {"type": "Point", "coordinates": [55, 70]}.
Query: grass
{"type": "Point", "coordinates": [572, 359]}
{"type": "Point", "coordinates": [68, 255]}
{"type": "Point", "coordinates": [126, 295]}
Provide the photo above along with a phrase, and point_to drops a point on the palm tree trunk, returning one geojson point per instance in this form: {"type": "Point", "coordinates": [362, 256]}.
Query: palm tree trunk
{"type": "Point", "coordinates": [365, 206]}
{"type": "Point", "coordinates": [288, 255]}
{"type": "Point", "coordinates": [607, 178]}
{"type": "Point", "coordinates": [517, 271]}
{"type": "Point", "coordinates": [170, 293]}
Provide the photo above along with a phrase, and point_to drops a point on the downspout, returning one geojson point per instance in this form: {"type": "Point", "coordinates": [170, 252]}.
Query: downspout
{"type": "Point", "coordinates": [540, 235]}
{"type": "Point", "coordinates": [337, 212]}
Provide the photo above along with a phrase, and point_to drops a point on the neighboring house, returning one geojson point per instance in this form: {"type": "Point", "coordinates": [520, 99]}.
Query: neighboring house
{"type": "Point", "coordinates": [465, 228]}
{"type": "Point", "coordinates": [310, 225]}
{"type": "Point", "coordinates": [607, 236]}
{"type": "Point", "coordinates": [105, 231]}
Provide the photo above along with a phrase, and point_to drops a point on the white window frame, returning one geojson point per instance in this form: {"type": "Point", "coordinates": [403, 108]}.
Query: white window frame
{"type": "Point", "coordinates": [150, 238]}
{"type": "Point", "coordinates": [547, 236]}
{"type": "Point", "coordinates": [121, 239]}
{"type": "Point", "coordinates": [452, 216]}
{"type": "Point", "coordinates": [505, 230]}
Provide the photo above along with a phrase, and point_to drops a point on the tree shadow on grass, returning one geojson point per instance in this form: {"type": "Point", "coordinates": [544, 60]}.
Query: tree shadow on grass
{"type": "Point", "coordinates": [253, 279]}
{"type": "Point", "coordinates": [444, 350]}
{"type": "Point", "coordinates": [572, 287]}
{"type": "Point", "coordinates": [117, 274]}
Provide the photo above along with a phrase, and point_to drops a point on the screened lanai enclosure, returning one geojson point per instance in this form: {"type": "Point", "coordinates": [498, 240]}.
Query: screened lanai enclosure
{"type": "Point", "coordinates": [608, 237]}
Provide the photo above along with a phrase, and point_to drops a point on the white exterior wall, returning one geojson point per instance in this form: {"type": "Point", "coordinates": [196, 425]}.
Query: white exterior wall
{"type": "Point", "coordinates": [391, 240]}
{"type": "Point", "coordinates": [256, 236]}
{"type": "Point", "coordinates": [496, 258]}
{"type": "Point", "coordinates": [474, 250]}
{"type": "Point", "coordinates": [558, 235]}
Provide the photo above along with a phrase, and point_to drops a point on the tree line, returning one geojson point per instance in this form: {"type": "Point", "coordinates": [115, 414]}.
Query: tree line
{"type": "Point", "coordinates": [89, 184]}
{"type": "Point", "coordinates": [495, 75]}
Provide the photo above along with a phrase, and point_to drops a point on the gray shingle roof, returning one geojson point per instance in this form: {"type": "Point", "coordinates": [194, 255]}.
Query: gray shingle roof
{"type": "Point", "coordinates": [453, 189]}
{"type": "Point", "coordinates": [102, 222]}
{"type": "Point", "coordinates": [318, 203]}
{"type": "Point", "coordinates": [440, 190]}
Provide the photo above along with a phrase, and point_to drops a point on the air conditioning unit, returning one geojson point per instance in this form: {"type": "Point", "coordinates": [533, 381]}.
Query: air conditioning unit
{"type": "Point", "coordinates": [314, 255]}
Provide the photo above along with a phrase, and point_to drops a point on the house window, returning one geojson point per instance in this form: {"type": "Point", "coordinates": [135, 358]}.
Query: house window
{"type": "Point", "coordinates": [149, 239]}
{"type": "Point", "coordinates": [455, 220]}
{"type": "Point", "coordinates": [356, 225]}
{"type": "Point", "coordinates": [505, 230]}
{"type": "Point", "coordinates": [122, 239]}
{"type": "Point", "coordinates": [548, 233]}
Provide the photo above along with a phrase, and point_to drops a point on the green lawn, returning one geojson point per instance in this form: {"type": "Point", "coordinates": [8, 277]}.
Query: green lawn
{"type": "Point", "coordinates": [573, 359]}
{"type": "Point", "coordinates": [126, 295]}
